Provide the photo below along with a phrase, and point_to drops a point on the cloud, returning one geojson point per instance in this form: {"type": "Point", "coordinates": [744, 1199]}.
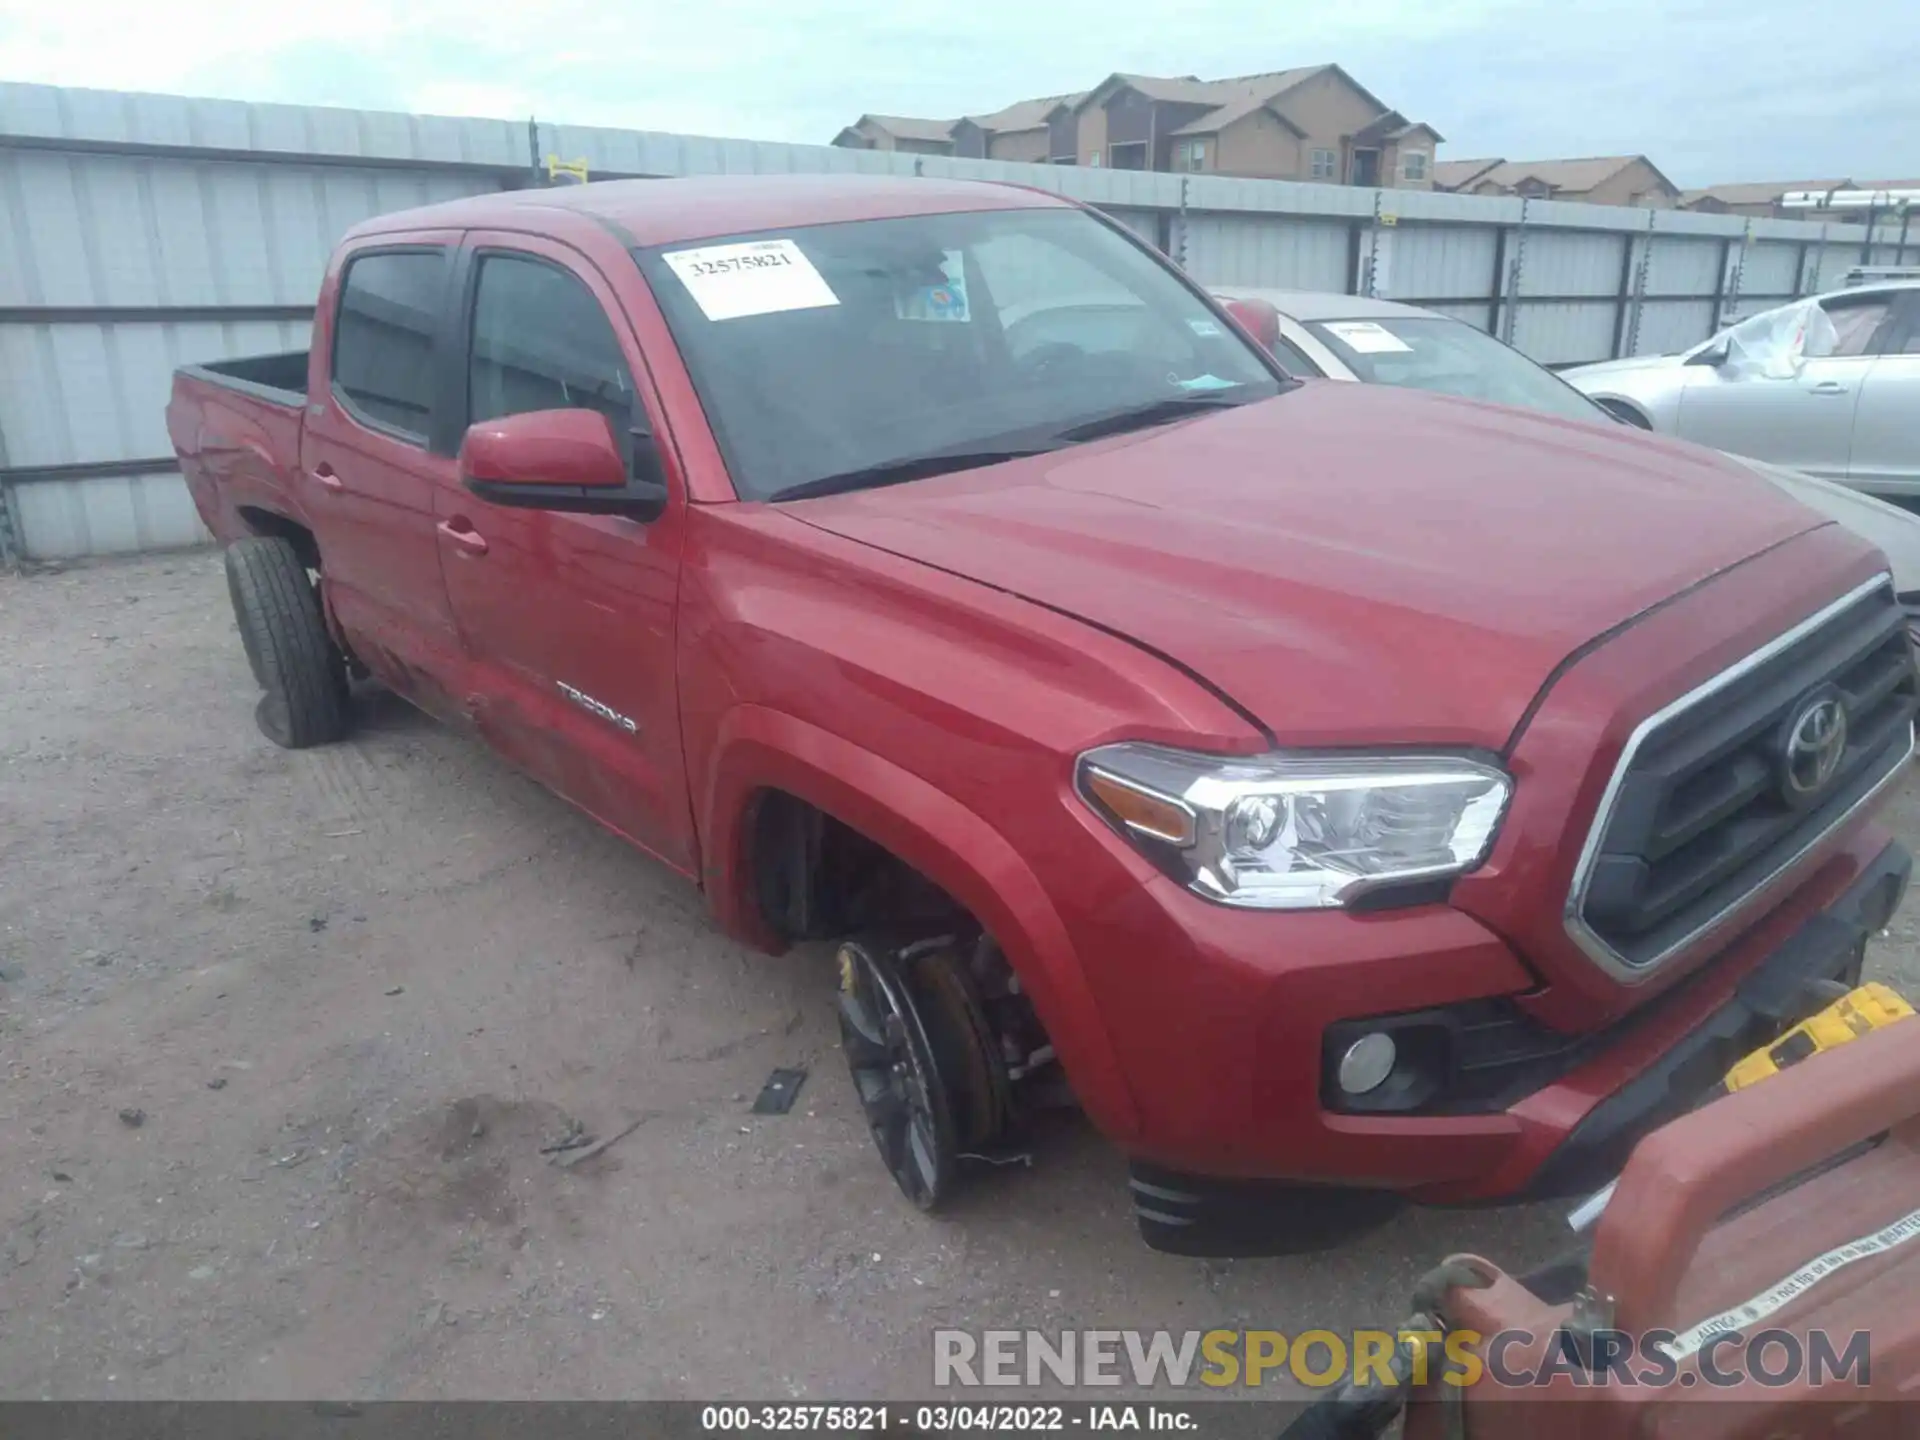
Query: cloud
{"type": "Point", "coordinates": [1771, 88]}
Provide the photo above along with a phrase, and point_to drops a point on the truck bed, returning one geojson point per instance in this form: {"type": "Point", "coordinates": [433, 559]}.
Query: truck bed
{"type": "Point", "coordinates": [235, 425]}
{"type": "Point", "coordinates": [279, 378]}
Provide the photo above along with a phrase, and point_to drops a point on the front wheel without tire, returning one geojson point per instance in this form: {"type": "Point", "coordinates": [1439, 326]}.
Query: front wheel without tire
{"type": "Point", "coordinates": [288, 649]}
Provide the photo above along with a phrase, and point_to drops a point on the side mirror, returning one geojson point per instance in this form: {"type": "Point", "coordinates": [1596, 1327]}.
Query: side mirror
{"type": "Point", "coordinates": [566, 460]}
{"type": "Point", "coordinates": [1259, 319]}
{"type": "Point", "coordinates": [1715, 355]}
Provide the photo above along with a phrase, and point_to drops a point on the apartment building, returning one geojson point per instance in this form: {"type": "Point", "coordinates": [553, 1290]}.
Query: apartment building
{"type": "Point", "coordinates": [1315, 123]}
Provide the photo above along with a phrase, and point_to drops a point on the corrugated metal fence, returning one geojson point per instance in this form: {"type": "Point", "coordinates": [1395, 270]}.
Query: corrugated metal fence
{"type": "Point", "coordinates": [140, 232]}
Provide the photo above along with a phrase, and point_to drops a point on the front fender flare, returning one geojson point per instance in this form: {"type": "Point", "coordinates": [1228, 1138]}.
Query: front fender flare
{"type": "Point", "coordinates": [757, 748]}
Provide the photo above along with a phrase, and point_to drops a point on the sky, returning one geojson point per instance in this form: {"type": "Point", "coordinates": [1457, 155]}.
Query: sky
{"type": "Point", "coordinates": [1712, 90]}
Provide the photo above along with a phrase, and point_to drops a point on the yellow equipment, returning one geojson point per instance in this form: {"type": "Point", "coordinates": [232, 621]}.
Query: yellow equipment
{"type": "Point", "coordinates": [1857, 1013]}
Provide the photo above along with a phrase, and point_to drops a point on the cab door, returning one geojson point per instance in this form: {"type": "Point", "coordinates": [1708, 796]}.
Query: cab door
{"type": "Point", "coordinates": [374, 452]}
{"type": "Point", "coordinates": [567, 620]}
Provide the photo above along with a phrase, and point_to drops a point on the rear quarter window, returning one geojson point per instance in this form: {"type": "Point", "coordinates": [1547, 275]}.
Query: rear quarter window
{"type": "Point", "coordinates": [383, 337]}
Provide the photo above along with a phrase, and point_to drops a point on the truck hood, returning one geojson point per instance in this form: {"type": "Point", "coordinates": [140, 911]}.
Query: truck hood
{"type": "Point", "coordinates": [1357, 565]}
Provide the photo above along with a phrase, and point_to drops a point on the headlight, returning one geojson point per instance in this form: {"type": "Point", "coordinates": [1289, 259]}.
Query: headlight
{"type": "Point", "coordinates": [1283, 832]}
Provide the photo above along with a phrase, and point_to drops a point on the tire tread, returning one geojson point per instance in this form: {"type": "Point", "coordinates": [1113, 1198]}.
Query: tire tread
{"type": "Point", "coordinates": [299, 665]}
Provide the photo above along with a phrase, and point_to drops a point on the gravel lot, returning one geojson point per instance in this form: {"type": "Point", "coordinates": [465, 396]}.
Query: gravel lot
{"type": "Point", "coordinates": [349, 993]}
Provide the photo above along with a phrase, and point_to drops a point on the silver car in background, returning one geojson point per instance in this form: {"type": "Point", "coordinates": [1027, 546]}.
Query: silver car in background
{"type": "Point", "coordinates": [1345, 337]}
{"type": "Point", "coordinates": [1829, 385]}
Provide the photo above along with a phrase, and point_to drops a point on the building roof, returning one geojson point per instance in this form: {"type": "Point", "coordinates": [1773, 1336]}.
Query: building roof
{"type": "Point", "coordinates": [1180, 89]}
{"type": "Point", "coordinates": [911, 127]}
{"type": "Point", "coordinates": [1235, 99]}
{"type": "Point", "coordinates": [1025, 114]}
{"type": "Point", "coordinates": [1451, 174]}
{"type": "Point", "coordinates": [1232, 99]}
{"type": "Point", "coordinates": [1247, 92]}
{"type": "Point", "coordinates": [1574, 176]}
{"type": "Point", "coordinates": [1758, 192]}
{"type": "Point", "coordinates": [667, 212]}
{"type": "Point", "coordinates": [1390, 126]}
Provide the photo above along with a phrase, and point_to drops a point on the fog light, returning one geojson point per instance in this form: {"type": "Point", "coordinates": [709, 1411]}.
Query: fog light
{"type": "Point", "coordinates": [1367, 1063]}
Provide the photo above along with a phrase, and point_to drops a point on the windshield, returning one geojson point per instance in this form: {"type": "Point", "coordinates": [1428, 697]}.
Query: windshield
{"type": "Point", "coordinates": [881, 350]}
{"type": "Point", "coordinates": [1432, 352]}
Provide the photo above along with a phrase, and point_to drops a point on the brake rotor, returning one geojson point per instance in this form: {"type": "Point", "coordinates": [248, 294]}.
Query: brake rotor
{"type": "Point", "coordinates": [964, 1049]}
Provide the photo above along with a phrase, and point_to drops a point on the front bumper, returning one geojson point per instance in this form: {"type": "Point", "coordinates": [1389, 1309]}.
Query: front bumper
{"type": "Point", "coordinates": [1574, 1133]}
{"type": "Point", "coordinates": [1228, 1062]}
{"type": "Point", "coordinates": [1778, 994]}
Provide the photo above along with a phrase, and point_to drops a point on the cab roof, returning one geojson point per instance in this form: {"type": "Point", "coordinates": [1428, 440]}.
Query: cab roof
{"type": "Point", "coordinates": [665, 212]}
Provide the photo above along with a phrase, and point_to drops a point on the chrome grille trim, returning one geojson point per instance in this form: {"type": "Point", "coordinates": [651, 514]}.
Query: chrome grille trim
{"type": "Point", "coordinates": [1583, 935]}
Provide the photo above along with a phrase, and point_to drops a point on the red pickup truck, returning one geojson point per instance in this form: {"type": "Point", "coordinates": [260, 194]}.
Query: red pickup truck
{"type": "Point", "coordinates": [1352, 794]}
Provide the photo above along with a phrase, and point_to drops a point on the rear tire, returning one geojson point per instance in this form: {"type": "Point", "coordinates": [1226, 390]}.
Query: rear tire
{"type": "Point", "coordinates": [292, 657]}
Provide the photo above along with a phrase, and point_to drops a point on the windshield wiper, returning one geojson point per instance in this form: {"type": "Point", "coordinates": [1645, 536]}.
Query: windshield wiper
{"type": "Point", "coordinates": [1155, 412]}
{"type": "Point", "coordinates": [914, 467]}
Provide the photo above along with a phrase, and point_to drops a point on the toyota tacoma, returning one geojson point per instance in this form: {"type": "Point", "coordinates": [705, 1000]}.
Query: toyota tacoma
{"type": "Point", "coordinates": [1343, 795]}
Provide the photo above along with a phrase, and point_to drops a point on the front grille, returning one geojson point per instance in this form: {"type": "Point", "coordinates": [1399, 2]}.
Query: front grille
{"type": "Point", "coordinates": [1703, 810]}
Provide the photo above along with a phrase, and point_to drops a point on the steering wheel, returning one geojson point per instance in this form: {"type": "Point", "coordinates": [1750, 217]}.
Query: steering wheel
{"type": "Point", "coordinates": [1045, 361]}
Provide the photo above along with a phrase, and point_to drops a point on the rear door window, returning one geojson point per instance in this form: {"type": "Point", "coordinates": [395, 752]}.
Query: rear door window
{"type": "Point", "coordinates": [383, 338]}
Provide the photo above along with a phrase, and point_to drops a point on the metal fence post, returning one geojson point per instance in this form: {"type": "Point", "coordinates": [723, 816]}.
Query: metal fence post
{"type": "Point", "coordinates": [1180, 226]}
{"type": "Point", "coordinates": [1623, 295]}
{"type": "Point", "coordinates": [1812, 282]}
{"type": "Point", "coordinates": [1514, 272]}
{"type": "Point", "coordinates": [1728, 300]}
{"type": "Point", "coordinates": [1497, 286]}
{"type": "Point", "coordinates": [1640, 284]}
{"type": "Point", "coordinates": [12, 548]}
{"type": "Point", "coordinates": [1379, 266]}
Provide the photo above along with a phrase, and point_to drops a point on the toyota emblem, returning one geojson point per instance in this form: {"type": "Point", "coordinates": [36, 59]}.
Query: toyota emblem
{"type": "Point", "coordinates": [1816, 744]}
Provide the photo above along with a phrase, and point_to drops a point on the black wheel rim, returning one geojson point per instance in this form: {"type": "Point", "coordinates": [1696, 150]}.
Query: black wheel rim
{"type": "Point", "coordinates": [894, 1076]}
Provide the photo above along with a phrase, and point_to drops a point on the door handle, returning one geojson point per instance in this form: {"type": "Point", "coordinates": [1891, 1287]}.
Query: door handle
{"type": "Point", "coordinates": [1827, 387]}
{"type": "Point", "coordinates": [463, 535]}
{"type": "Point", "coordinates": [324, 476]}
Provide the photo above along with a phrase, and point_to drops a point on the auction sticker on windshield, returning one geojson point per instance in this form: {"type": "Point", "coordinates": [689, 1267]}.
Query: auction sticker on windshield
{"type": "Point", "coordinates": [759, 277]}
{"type": "Point", "coordinates": [1366, 338]}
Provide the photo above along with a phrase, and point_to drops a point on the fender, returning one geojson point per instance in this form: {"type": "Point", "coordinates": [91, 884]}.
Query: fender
{"type": "Point", "coordinates": [756, 748]}
{"type": "Point", "coordinates": [248, 474]}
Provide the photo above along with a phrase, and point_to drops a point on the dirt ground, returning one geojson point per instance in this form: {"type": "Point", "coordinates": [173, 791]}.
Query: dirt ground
{"type": "Point", "coordinates": [348, 994]}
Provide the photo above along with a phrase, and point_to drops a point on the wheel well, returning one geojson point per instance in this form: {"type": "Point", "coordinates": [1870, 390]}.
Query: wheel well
{"type": "Point", "coordinates": [816, 877]}
{"type": "Point", "coordinates": [271, 524]}
{"type": "Point", "coordinates": [1627, 411]}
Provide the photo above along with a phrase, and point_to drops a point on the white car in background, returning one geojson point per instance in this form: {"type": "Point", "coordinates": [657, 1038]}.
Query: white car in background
{"type": "Point", "coordinates": [1828, 385]}
{"type": "Point", "coordinates": [1345, 337]}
